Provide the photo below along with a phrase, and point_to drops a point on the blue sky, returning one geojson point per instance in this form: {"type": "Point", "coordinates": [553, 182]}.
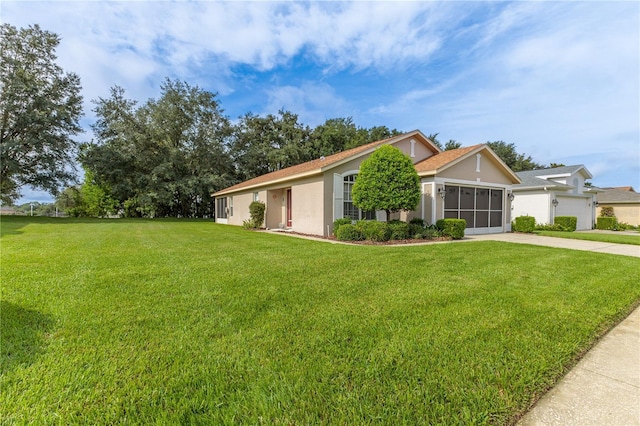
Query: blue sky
{"type": "Point", "coordinates": [560, 80]}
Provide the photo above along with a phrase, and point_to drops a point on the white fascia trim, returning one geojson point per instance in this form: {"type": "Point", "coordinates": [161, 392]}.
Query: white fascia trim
{"type": "Point", "coordinates": [269, 183]}
{"type": "Point", "coordinates": [471, 183]}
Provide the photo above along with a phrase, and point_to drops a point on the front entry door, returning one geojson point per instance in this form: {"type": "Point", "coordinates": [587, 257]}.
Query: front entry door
{"type": "Point", "coordinates": [288, 208]}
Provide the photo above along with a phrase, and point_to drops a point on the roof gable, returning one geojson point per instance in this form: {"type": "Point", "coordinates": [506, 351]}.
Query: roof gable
{"type": "Point", "coordinates": [444, 160]}
{"type": "Point", "coordinates": [323, 164]}
{"type": "Point", "coordinates": [545, 177]}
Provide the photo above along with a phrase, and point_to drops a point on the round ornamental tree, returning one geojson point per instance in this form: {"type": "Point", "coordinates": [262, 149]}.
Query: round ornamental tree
{"type": "Point", "coordinates": [387, 181]}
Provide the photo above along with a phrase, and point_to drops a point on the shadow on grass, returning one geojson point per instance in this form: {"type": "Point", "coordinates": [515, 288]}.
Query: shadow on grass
{"type": "Point", "coordinates": [10, 225]}
{"type": "Point", "coordinates": [22, 335]}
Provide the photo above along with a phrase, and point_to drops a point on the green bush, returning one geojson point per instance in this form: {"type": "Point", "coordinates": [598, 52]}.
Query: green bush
{"type": "Point", "coordinates": [349, 232]}
{"type": "Point", "coordinates": [374, 230]}
{"type": "Point", "coordinates": [415, 230]}
{"type": "Point", "coordinates": [568, 222]}
{"type": "Point", "coordinates": [417, 221]}
{"type": "Point", "coordinates": [249, 224]}
{"type": "Point", "coordinates": [431, 232]}
{"type": "Point", "coordinates": [399, 230]}
{"type": "Point", "coordinates": [549, 227]}
{"type": "Point", "coordinates": [339, 222]}
{"type": "Point", "coordinates": [607, 223]}
{"type": "Point", "coordinates": [606, 211]}
{"type": "Point", "coordinates": [453, 228]}
{"type": "Point", "coordinates": [524, 224]}
{"type": "Point", "coordinates": [256, 211]}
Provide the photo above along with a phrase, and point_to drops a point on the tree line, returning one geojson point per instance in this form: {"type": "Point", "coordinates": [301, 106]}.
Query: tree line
{"type": "Point", "coordinates": [161, 158]}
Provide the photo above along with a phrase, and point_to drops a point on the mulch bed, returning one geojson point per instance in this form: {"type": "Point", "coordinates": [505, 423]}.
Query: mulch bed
{"type": "Point", "coordinates": [374, 243]}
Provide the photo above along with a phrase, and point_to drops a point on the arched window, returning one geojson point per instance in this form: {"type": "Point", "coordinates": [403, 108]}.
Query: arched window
{"type": "Point", "coordinates": [349, 209]}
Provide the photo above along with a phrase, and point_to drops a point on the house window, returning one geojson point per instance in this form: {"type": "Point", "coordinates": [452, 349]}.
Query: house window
{"type": "Point", "coordinates": [349, 209]}
{"type": "Point", "coordinates": [256, 196]}
{"type": "Point", "coordinates": [221, 208]}
{"type": "Point", "coordinates": [479, 207]}
{"type": "Point", "coordinates": [230, 206]}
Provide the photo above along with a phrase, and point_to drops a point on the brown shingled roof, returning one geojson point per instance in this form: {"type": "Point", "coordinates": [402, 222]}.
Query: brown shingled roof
{"type": "Point", "coordinates": [445, 158]}
{"type": "Point", "coordinates": [309, 168]}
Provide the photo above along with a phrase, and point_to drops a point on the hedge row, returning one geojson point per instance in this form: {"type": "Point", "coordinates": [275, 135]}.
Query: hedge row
{"type": "Point", "coordinates": [606, 222]}
{"type": "Point", "coordinates": [371, 230]}
{"type": "Point", "coordinates": [528, 224]}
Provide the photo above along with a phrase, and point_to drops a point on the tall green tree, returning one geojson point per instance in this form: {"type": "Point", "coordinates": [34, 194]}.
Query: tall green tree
{"type": "Point", "coordinates": [451, 144]}
{"type": "Point", "coordinates": [266, 144]}
{"type": "Point", "coordinates": [372, 134]}
{"type": "Point", "coordinates": [334, 135]}
{"type": "Point", "coordinates": [516, 161]}
{"type": "Point", "coordinates": [387, 181]}
{"type": "Point", "coordinates": [164, 158]}
{"type": "Point", "coordinates": [40, 109]}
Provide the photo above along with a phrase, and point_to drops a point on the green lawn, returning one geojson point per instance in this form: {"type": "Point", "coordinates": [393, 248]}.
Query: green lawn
{"type": "Point", "coordinates": [165, 322]}
{"type": "Point", "coordinates": [618, 238]}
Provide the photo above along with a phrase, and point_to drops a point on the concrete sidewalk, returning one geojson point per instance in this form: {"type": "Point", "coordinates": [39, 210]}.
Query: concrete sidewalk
{"type": "Point", "coordinates": [567, 243]}
{"type": "Point", "coordinates": [602, 389]}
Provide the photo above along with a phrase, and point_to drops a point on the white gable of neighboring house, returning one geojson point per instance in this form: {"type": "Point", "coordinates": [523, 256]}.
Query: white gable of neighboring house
{"type": "Point", "coordinates": [560, 191]}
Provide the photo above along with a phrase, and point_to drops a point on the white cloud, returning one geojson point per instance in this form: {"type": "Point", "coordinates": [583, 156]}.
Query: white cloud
{"type": "Point", "coordinates": [555, 78]}
{"type": "Point", "coordinates": [313, 102]}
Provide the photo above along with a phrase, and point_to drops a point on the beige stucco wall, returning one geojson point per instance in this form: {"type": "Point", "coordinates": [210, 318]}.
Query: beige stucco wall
{"type": "Point", "coordinates": [420, 151]}
{"type": "Point", "coordinates": [625, 213]}
{"type": "Point", "coordinates": [275, 214]}
{"type": "Point", "coordinates": [241, 202]}
{"type": "Point", "coordinates": [466, 170]}
{"type": "Point", "coordinates": [240, 208]}
{"type": "Point", "coordinates": [307, 199]}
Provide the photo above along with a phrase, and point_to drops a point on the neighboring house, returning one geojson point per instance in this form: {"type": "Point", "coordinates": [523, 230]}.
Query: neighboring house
{"type": "Point", "coordinates": [625, 202]}
{"type": "Point", "coordinates": [472, 183]}
{"type": "Point", "coordinates": [8, 211]}
{"type": "Point", "coordinates": [559, 191]}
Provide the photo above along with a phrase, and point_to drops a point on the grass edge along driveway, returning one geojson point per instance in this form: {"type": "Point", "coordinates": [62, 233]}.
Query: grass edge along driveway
{"type": "Point", "coordinates": [164, 321]}
{"type": "Point", "coordinates": [605, 237]}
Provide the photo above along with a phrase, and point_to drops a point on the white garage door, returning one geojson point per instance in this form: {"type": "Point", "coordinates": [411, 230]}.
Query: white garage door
{"type": "Point", "coordinates": [579, 207]}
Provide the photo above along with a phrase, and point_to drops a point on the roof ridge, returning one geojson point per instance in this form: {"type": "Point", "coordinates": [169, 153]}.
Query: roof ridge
{"type": "Point", "coordinates": [311, 166]}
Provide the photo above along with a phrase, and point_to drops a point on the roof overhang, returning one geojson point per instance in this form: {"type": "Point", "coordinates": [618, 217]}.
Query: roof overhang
{"type": "Point", "coordinates": [501, 164]}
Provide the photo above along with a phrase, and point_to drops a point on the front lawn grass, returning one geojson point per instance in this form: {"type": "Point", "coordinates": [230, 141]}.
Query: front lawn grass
{"type": "Point", "coordinates": [167, 322]}
{"type": "Point", "coordinates": [594, 236]}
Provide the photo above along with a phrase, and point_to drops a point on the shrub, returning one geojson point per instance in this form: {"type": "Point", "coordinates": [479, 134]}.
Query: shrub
{"type": "Point", "coordinates": [399, 230]}
{"type": "Point", "coordinates": [349, 232]}
{"type": "Point", "coordinates": [606, 211]}
{"type": "Point", "coordinates": [339, 222]}
{"type": "Point", "coordinates": [431, 232]}
{"type": "Point", "coordinates": [249, 224]}
{"type": "Point", "coordinates": [415, 230]}
{"type": "Point", "coordinates": [606, 223]}
{"type": "Point", "coordinates": [453, 228]}
{"type": "Point", "coordinates": [256, 210]}
{"type": "Point", "coordinates": [417, 221]}
{"type": "Point", "coordinates": [554, 227]}
{"type": "Point", "coordinates": [568, 222]}
{"type": "Point", "coordinates": [374, 230]}
{"type": "Point", "coordinates": [524, 224]}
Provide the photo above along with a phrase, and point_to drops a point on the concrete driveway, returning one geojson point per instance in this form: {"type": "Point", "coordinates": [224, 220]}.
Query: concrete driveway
{"type": "Point", "coordinates": [567, 243]}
